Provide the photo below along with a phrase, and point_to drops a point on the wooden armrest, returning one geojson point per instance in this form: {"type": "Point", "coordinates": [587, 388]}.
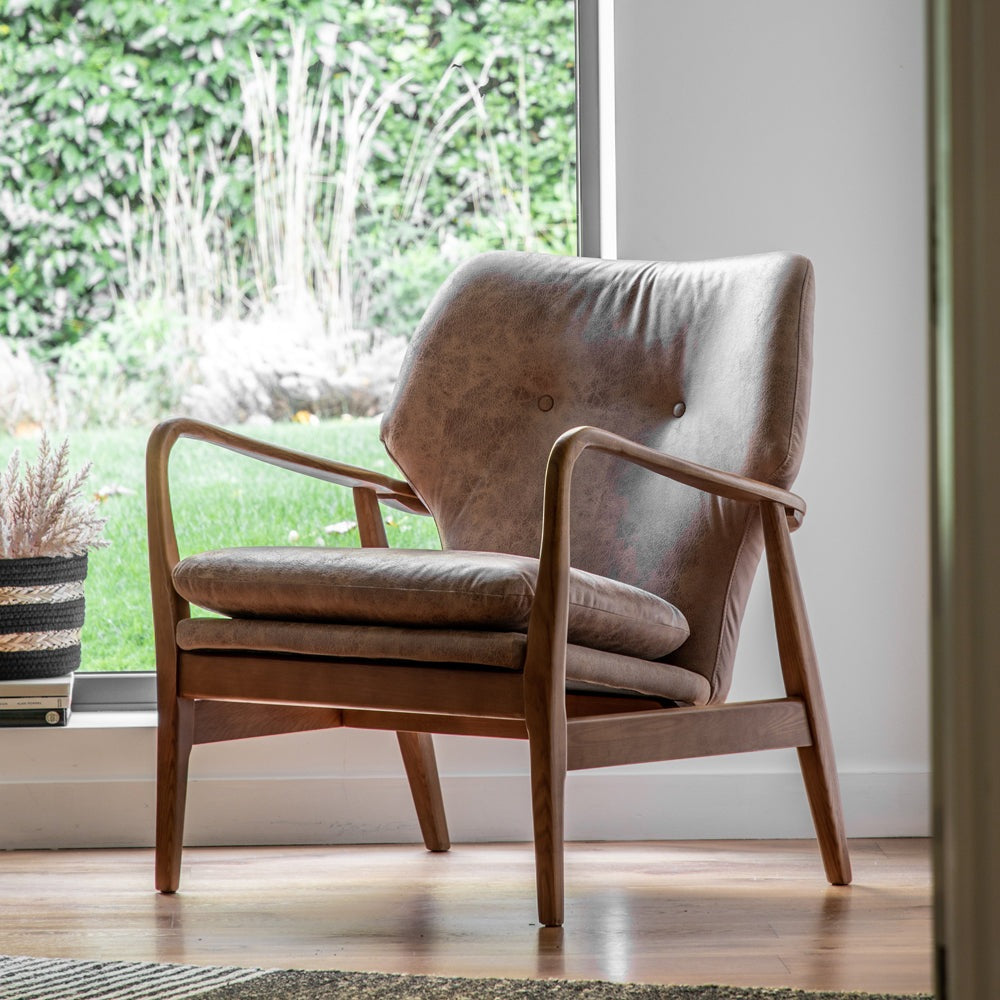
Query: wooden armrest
{"type": "Point", "coordinates": [169, 607]}
{"type": "Point", "coordinates": [545, 662]}
{"type": "Point", "coordinates": [574, 442]}
{"type": "Point", "coordinates": [394, 492]}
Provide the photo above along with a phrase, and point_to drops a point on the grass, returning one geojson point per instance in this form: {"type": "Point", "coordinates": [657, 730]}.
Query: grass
{"type": "Point", "coordinates": [220, 499]}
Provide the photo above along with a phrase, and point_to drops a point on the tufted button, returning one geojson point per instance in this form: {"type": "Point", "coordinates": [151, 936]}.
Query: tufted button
{"type": "Point", "coordinates": [545, 403]}
{"type": "Point", "coordinates": [679, 409]}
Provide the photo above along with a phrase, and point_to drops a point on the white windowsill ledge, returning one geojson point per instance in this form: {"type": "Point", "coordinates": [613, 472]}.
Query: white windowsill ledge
{"type": "Point", "coordinates": [111, 719]}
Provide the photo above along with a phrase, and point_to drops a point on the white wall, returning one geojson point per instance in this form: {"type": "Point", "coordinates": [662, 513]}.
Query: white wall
{"type": "Point", "coordinates": [743, 125]}
{"type": "Point", "coordinates": [750, 125]}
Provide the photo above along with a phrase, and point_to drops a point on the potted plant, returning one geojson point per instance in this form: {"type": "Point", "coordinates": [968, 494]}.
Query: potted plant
{"type": "Point", "coordinates": [46, 530]}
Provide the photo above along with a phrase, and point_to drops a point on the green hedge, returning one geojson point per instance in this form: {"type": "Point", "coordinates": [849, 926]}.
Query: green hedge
{"type": "Point", "coordinates": [81, 80]}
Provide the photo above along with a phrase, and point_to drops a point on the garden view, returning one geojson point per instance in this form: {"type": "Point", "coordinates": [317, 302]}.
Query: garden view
{"type": "Point", "coordinates": [238, 211]}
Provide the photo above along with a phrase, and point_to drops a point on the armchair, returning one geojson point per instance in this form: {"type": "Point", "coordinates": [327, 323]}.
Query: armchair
{"type": "Point", "coordinates": [606, 448]}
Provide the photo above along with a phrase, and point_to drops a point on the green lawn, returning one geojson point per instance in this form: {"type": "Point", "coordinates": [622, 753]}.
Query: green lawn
{"type": "Point", "coordinates": [220, 499]}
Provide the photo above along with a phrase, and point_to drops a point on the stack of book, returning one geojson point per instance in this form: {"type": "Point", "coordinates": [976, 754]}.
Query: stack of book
{"type": "Point", "coordinates": [36, 701]}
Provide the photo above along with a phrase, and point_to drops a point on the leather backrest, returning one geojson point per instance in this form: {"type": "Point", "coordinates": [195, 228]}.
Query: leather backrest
{"type": "Point", "coordinates": [708, 361]}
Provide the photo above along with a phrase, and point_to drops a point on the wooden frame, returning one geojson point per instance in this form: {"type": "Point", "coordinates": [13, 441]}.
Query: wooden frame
{"type": "Point", "coordinates": [206, 697]}
{"type": "Point", "coordinates": [963, 50]}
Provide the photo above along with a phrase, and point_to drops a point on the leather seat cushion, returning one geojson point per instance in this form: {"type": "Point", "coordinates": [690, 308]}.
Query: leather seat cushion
{"type": "Point", "coordinates": [418, 588]}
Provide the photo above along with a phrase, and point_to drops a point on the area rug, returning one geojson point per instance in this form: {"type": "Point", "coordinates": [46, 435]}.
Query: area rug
{"type": "Point", "coordinates": [61, 979]}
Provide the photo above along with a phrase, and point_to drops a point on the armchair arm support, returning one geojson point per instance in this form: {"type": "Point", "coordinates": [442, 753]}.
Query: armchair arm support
{"type": "Point", "coordinates": [394, 492]}
{"type": "Point", "coordinates": [168, 606]}
{"type": "Point", "coordinates": [574, 442]}
{"type": "Point", "coordinates": [545, 664]}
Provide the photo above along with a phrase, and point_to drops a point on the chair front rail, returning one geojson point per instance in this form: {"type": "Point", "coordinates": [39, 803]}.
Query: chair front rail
{"type": "Point", "coordinates": [288, 680]}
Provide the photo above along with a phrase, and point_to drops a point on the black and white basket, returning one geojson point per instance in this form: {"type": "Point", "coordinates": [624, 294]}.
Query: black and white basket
{"type": "Point", "coordinates": [41, 616]}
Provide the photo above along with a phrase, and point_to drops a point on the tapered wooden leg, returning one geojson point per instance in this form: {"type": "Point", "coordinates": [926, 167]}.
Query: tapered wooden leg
{"type": "Point", "coordinates": [545, 718]}
{"type": "Point", "coordinates": [425, 786]}
{"type": "Point", "coordinates": [548, 784]}
{"type": "Point", "coordinates": [174, 739]}
{"type": "Point", "coordinates": [801, 676]}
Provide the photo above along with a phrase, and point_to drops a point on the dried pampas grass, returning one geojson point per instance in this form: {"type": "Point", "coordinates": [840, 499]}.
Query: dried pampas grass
{"type": "Point", "coordinates": [43, 513]}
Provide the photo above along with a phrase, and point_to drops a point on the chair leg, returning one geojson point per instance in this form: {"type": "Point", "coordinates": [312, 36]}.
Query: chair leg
{"type": "Point", "coordinates": [823, 791]}
{"type": "Point", "coordinates": [174, 739]}
{"type": "Point", "coordinates": [548, 783]}
{"type": "Point", "coordinates": [801, 675]}
{"type": "Point", "coordinates": [425, 786]}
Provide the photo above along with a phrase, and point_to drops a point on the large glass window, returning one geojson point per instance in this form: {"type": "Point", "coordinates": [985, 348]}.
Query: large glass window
{"type": "Point", "coordinates": [239, 210]}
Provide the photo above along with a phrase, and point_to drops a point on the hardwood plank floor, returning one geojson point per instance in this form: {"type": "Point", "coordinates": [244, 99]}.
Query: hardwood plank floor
{"type": "Point", "coordinates": [745, 913]}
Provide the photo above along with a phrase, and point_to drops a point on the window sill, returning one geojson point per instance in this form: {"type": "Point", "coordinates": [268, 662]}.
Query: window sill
{"type": "Point", "coordinates": [111, 718]}
{"type": "Point", "coordinates": [113, 693]}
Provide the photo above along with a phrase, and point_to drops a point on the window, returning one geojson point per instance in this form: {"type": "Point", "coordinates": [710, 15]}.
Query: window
{"type": "Point", "coordinates": [295, 178]}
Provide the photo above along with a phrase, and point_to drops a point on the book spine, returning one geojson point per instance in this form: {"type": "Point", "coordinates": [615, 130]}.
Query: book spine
{"type": "Point", "coordinates": [33, 701]}
{"type": "Point", "coordinates": [34, 717]}
{"type": "Point", "coordinates": [53, 687]}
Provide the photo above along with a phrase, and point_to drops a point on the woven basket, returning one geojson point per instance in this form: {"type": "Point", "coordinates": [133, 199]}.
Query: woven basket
{"type": "Point", "coordinates": [41, 615]}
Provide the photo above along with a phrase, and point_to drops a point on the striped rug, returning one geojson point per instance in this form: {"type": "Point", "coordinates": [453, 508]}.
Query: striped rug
{"type": "Point", "coordinates": [60, 979]}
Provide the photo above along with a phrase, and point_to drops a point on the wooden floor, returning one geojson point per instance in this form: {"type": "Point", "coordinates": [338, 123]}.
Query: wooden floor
{"type": "Point", "coordinates": [746, 913]}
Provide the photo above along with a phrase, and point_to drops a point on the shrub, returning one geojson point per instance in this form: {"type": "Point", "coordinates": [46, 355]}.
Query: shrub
{"type": "Point", "coordinates": [76, 76]}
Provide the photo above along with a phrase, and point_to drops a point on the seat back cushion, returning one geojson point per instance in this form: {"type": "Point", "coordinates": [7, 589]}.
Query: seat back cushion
{"type": "Point", "coordinates": [707, 361]}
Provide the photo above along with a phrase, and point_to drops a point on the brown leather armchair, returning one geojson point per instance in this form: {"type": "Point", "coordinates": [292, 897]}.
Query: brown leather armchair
{"type": "Point", "coordinates": [606, 448]}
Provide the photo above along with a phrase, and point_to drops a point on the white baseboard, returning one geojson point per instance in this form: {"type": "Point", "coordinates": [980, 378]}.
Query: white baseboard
{"type": "Point", "coordinates": [490, 807]}
{"type": "Point", "coordinates": [90, 784]}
